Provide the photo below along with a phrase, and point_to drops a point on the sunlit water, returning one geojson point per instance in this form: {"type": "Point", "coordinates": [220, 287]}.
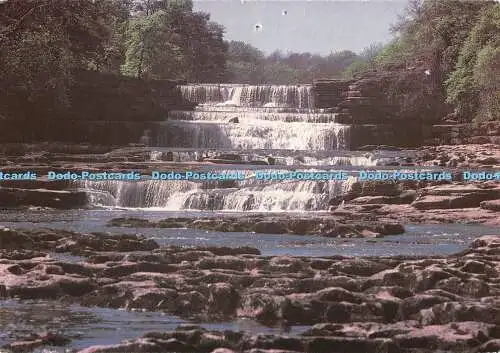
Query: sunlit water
{"type": "Point", "coordinates": [417, 240]}
{"type": "Point", "coordinates": [100, 326]}
{"type": "Point", "coordinates": [96, 326]}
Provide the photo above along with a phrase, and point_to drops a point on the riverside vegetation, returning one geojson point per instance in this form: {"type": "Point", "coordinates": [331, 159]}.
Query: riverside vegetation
{"type": "Point", "coordinates": [44, 41]}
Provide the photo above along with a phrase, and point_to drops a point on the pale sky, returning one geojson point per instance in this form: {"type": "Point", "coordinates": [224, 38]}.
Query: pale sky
{"type": "Point", "coordinates": [316, 26]}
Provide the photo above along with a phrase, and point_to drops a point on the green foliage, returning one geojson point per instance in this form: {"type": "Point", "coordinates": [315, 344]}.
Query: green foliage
{"type": "Point", "coordinates": [369, 53]}
{"type": "Point", "coordinates": [474, 84]}
{"type": "Point", "coordinates": [436, 29]}
{"type": "Point", "coordinates": [170, 41]}
{"type": "Point", "coordinates": [395, 52]}
{"type": "Point", "coordinates": [261, 73]}
{"type": "Point", "coordinates": [280, 74]}
{"type": "Point", "coordinates": [431, 33]}
{"type": "Point", "coordinates": [247, 64]}
{"type": "Point", "coordinates": [341, 59]}
{"type": "Point", "coordinates": [204, 48]}
{"type": "Point", "coordinates": [487, 80]}
{"type": "Point", "coordinates": [355, 68]}
{"type": "Point", "coordinates": [42, 41]}
{"type": "Point", "coordinates": [115, 49]}
{"type": "Point", "coordinates": [46, 78]}
{"type": "Point", "coordinates": [242, 52]}
{"type": "Point", "coordinates": [150, 51]}
{"type": "Point", "coordinates": [365, 61]}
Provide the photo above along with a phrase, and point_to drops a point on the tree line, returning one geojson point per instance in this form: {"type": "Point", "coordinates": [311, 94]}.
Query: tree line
{"type": "Point", "coordinates": [159, 39]}
{"type": "Point", "coordinates": [247, 64]}
{"type": "Point", "coordinates": [44, 41]}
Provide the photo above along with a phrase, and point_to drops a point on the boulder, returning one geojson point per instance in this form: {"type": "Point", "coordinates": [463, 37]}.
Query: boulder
{"type": "Point", "coordinates": [492, 205]}
{"type": "Point", "coordinates": [61, 199]}
{"type": "Point", "coordinates": [270, 227]}
{"type": "Point", "coordinates": [14, 240]}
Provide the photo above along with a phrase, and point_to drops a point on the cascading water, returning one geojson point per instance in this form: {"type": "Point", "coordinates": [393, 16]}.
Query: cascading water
{"type": "Point", "coordinates": [245, 117]}
{"type": "Point", "coordinates": [247, 195]}
{"type": "Point", "coordinates": [261, 135]}
{"type": "Point", "coordinates": [142, 194]}
{"type": "Point", "coordinates": [203, 93]}
{"type": "Point", "coordinates": [254, 122]}
{"type": "Point", "coordinates": [299, 96]}
{"type": "Point", "coordinates": [270, 96]}
{"type": "Point", "coordinates": [285, 157]}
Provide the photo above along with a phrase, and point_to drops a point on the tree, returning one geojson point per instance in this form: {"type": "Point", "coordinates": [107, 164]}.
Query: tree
{"type": "Point", "coordinates": [148, 7]}
{"type": "Point", "coordinates": [247, 64]}
{"type": "Point", "coordinates": [369, 53]}
{"type": "Point", "coordinates": [440, 37]}
{"type": "Point", "coordinates": [167, 40]}
{"type": "Point", "coordinates": [276, 56]}
{"type": "Point", "coordinates": [358, 66]}
{"type": "Point", "coordinates": [434, 30]}
{"type": "Point", "coordinates": [395, 52]}
{"type": "Point", "coordinates": [244, 63]}
{"type": "Point", "coordinates": [336, 62]}
{"type": "Point", "coordinates": [487, 80]}
{"type": "Point", "coordinates": [474, 84]}
{"type": "Point", "coordinates": [204, 48]}
{"type": "Point", "coordinates": [241, 51]}
{"type": "Point", "coordinates": [299, 61]}
{"type": "Point", "coordinates": [43, 41]}
{"type": "Point", "coordinates": [151, 49]}
{"type": "Point", "coordinates": [366, 60]}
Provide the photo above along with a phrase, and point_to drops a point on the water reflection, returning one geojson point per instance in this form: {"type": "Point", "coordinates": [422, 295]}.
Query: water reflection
{"type": "Point", "coordinates": [432, 239]}
{"type": "Point", "coordinates": [101, 326]}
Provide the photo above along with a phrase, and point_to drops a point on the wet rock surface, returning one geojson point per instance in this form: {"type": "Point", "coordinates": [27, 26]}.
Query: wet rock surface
{"type": "Point", "coordinates": [40, 156]}
{"type": "Point", "coordinates": [405, 336]}
{"type": "Point", "coordinates": [277, 224]}
{"type": "Point", "coordinates": [60, 199]}
{"type": "Point", "coordinates": [420, 202]}
{"type": "Point", "coordinates": [369, 304]}
{"type": "Point", "coordinates": [367, 210]}
{"type": "Point", "coordinates": [459, 156]}
{"type": "Point", "coordinates": [35, 341]}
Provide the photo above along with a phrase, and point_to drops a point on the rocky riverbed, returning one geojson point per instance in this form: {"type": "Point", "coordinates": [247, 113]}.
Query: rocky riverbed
{"type": "Point", "coordinates": [77, 155]}
{"type": "Point", "coordinates": [379, 304]}
{"type": "Point", "coordinates": [407, 304]}
{"type": "Point", "coordinates": [369, 209]}
{"type": "Point", "coordinates": [413, 203]}
{"type": "Point", "coordinates": [275, 224]}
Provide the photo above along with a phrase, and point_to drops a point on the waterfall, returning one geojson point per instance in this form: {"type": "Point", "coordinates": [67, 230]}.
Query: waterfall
{"type": "Point", "coordinates": [249, 117]}
{"type": "Point", "coordinates": [248, 195]}
{"type": "Point", "coordinates": [203, 93]}
{"type": "Point", "coordinates": [253, 116]}
{"type": "Point", "coordinates": [286, 157]}
{"type": "Point", "coordinates": [271, 96]}
{"type": "Point", "coordinates": [148, 193]}
{"type": "Point", "coordinates": [253, 122]}
{"type": "Point", "coordinates": [247, 136]}
{"type": "Point", "coordinates": [299, 96]}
